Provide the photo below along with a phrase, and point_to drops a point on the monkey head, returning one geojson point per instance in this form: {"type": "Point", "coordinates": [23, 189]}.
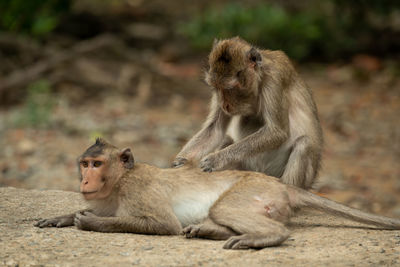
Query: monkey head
{"type": "Point", "coordinates": [235, 73]}
{"type": "Point", "coordinates": [100, 168]}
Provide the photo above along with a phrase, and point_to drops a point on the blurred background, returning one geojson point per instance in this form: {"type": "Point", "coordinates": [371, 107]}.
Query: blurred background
{"type": "Point", "coordinates": [131, 71]}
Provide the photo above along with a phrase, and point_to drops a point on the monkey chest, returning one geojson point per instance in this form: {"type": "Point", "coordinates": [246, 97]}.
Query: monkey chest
{"type": "Point", "coordinates": [242, 126]}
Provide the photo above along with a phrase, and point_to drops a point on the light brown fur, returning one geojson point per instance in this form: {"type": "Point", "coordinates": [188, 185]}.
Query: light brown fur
{"type": "Point", "coordinates": [248, 209]}
{"type": "Point", "coordinates": [262, 103]}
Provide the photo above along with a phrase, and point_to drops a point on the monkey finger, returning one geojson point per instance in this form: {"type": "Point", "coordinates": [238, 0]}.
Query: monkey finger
{"type": "Point", "coordinates": [206, 168]}
{"type": "Point", "coordinates": [63, 223]}
{"type": "Point", "coordinates": [190, 231]}
{"type": "Point", "coordinates": [88, 213]}
{"type": "Point", "coordinates": [45, 223]}
{"type": "Point", "coordinates": [233, 243]}
{"type": "Point", "coordinates": [240, 245]}
{"type": "Point", "coordinates": [178, 162]}
{"type": "Point", "coordinates": [77, 223]}
{"type": "Point", "coordinates": [37, 223]}
{"type": "Point", "coordinates": [176, 165]}
{"type": "Point", "coordinates": [206, 164]}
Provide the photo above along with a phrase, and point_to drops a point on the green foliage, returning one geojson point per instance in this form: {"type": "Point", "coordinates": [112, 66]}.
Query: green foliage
{"type": "Point", "coordinates": [36, 17]}
{"type": "Point", "coordinates": [38, 106]}
{"type": "Point", "coordinates": [327, 32]}
{"type": "Point", "coordinates": [267, 25]}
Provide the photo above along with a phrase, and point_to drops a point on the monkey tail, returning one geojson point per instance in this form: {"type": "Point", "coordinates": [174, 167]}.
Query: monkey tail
{"type": "Point", "coordinates": [305, 198]}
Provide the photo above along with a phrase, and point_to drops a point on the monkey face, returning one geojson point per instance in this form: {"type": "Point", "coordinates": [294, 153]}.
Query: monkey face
{"type": "Point", "coordinates": [93, 179]}
{"type": "Point", "coordinates": [236, 93]}
{"type": "Point", "coordinates": [100, 167]}
{"type": "Point", "coordinates": [234, 74]}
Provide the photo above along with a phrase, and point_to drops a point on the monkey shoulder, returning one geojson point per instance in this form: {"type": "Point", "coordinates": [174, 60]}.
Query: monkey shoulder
{"type": "Point", "coordinates": [276, 55]}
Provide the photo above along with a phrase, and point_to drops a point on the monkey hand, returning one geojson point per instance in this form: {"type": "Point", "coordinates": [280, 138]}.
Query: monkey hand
{"type": "Point", "coordinates": [62, 221]}
{"type": "Point", "coordinates": [211, 163]}
{"type": "Point", "coordinates": [85, 220]}
{"type": "Point", "coordinates": [178, 162]}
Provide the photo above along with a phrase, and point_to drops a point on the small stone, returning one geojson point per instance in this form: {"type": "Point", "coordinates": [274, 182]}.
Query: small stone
{"type": "Point", "coordinates": [26, 147]}
{"type": "Point", "coordinates": [136, 262]}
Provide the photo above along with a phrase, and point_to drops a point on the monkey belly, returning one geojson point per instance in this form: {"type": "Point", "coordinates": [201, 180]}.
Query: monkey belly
{"type": "Point", "coordinates": [193, 207]}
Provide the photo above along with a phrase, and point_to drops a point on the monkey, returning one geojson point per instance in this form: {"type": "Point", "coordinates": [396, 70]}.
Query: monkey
{"type": "Point", "coordinates": [247, 209]}
{"type": "Point", "coordinates": [260, 103]}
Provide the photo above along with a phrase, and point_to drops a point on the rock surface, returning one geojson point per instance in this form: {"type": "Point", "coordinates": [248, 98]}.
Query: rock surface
{"type": "Point", "coordinates": [316, 240]}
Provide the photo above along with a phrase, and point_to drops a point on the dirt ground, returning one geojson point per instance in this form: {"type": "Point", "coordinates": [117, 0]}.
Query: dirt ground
{"type": "Point", "coordinates": [316, 240]}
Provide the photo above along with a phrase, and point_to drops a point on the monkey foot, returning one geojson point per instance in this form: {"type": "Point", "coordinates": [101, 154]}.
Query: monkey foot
{"type": "Point", "coordinates": [247, 241]}
{"type": "Point", "coordinates": [191, 231]}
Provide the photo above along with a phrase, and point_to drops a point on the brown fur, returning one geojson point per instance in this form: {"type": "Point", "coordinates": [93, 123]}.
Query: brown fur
{"type": "Point", "coordinates": [248, 209]}
{"type": "Point", "coordinates": [260, 100]}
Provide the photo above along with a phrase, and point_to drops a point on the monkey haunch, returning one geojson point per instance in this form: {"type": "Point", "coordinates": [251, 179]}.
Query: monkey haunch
{"type": "Point", "coordinates": [270, 113]}
{"type": "Point", "coordinates": [248, 209]}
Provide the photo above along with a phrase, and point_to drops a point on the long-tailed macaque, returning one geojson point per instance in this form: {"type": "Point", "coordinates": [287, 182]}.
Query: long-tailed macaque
{"type": "Point", "coordinates": [268, 111]}
{"type": "Point", "coordinates": [248, 209]}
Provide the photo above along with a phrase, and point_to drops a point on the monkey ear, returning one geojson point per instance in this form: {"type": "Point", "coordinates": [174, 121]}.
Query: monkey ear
{"type": "Point", "coordinates": [126, 158]}
{"type": "Point", "coordinates": [254, 57]}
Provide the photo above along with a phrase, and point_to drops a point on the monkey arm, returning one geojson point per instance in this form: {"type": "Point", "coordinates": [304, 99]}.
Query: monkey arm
{"type": "Point", "coordinates": [266, 138]}
{"type": "Point", "coordinates": [128, 224]}
{"type": "Point", "coordinates": [208, 138]}
{"type": "Point", "coordinates": [262, 140]}
{"type": "Point", "coordinates": [272, 135]}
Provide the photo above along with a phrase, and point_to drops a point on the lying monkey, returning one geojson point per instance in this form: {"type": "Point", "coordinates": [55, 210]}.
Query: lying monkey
{"type": "Point", "coordinates": [247, 209]}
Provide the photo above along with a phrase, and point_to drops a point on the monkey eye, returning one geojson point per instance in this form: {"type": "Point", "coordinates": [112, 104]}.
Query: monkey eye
{"type": "Point", "coordinates": [84, 164]}
{"type": "Point", "coordinates": [97, 163]}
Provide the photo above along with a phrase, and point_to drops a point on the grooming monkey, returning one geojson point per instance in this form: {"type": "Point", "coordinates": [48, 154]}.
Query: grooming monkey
{"type": "Point", "coordinates": [270, 112]}
{"type": "Point", "coordinates": [248, 209]}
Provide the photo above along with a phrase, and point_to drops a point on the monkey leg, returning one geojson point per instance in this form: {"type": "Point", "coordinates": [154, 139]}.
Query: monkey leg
{"type": "Point", "coordinates": [250, 210]}
{"type": "Point", "coordinates": [209, 230]}
{"type": "Point", "coordinates": [257, 231]}
{"type": "Point", "coordinates": [303, 164]}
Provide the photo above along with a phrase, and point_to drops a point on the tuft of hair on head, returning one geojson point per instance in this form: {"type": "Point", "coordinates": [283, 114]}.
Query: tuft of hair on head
{"type": "Point", "coordinates": [97, 148]}
{"type": "Point", "coordinates": [225, 57]}
{"type": "Point", "coordinates": [100, 142]}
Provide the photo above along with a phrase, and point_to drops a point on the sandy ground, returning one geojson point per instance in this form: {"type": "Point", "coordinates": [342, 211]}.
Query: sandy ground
{"type": "Point", "coordinates": [316, 240]}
